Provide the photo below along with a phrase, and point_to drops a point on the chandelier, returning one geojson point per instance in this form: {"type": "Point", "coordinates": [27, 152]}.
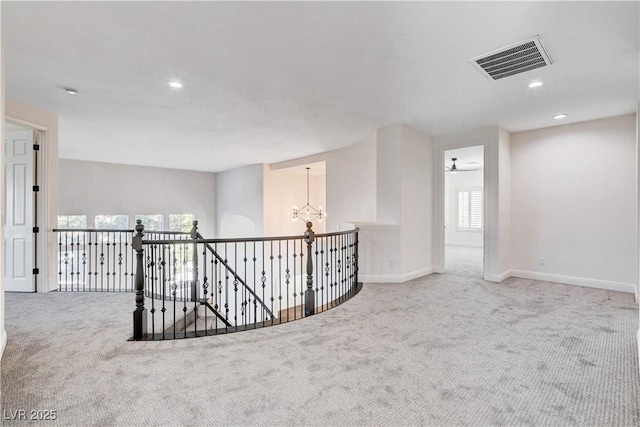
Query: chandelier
{"type": "Point", "coordinates": [307, 213]}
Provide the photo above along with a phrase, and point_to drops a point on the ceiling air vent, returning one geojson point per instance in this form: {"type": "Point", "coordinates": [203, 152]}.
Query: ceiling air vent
{"type": "Point", "coordinates": [513, 59]}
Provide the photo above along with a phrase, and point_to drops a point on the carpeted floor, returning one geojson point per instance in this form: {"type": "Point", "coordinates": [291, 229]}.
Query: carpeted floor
{"type": "Point", "coordinates": [442, 350]}
{"type": "Point", "coordinates": [464, 261]}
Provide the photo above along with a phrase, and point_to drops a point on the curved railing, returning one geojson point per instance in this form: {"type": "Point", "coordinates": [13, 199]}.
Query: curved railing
{"type": "Point", "coordinates": [100, 260]}
{"type": "Point", "coordinates": [197, 287]}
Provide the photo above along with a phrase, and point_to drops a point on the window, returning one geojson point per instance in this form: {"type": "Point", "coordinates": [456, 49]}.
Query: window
{"type": "Point", "coordinates": [470, 210]}
{"type": "Point", "coordinates": [117, 222]}
{"type": "Point", "coordinates": [181, 222]}
{"type": "Point", "coordinates": [72, 221]}
{"type": "Point", "coordinates": [152, 222]}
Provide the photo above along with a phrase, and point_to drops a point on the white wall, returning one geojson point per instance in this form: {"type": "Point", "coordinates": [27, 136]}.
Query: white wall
{"type": "Point", "coordinates": [389, 175]}
{"type": "Point", "coordinates": [573, 202]}
{"type": "Point", "coordinates": [453, 184]}
{"type": "Point", "coordinates": [239, 202]}
{"type": "Point", "coordinates": [94, 188]}
{"type": "Point", "coordinates": [416, 203]}
{"type": "Point", "coordinates": [351, 184]}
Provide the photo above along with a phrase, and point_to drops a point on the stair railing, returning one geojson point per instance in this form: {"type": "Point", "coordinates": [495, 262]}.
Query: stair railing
{"type": "Point", "coordinates": [100, 260]}
{"type": "Point", "coordinates": [211, 286]}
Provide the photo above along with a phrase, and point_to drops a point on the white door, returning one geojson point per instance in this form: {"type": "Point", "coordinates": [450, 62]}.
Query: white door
{"type": "Point", "coordinates": [18, 209]}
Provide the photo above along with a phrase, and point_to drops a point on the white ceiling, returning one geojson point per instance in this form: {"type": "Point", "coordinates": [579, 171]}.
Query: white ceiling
{"type": "Point", "coordinates": [267, 82]}
{"type": "Point", "coordinates": [467, 157]}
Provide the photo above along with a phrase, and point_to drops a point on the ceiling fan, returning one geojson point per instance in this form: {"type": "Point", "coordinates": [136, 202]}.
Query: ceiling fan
{"type": "Point", "coordinates": [454, 169]}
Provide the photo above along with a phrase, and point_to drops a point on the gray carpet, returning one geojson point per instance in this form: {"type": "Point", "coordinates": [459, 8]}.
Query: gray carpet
{"type": "Point", "coordinates": [464, 261]}
{"type": "Point", "coordinates": [441, 350]}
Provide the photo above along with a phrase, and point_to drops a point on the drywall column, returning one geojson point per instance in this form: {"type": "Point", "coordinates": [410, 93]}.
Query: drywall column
{"type": "Point", "coordinates": [402, 233]}
{"type": "Point", "coordinates": [416, 204]}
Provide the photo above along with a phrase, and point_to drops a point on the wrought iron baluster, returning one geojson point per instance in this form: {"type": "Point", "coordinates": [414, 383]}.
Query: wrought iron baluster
{"type": "Point", "coordinates": [287, 278]}
{"type": "Point", "coordinates": [303, 282]}
{"type": "Point", "coordinates": [315, 275]}
{"type": "Point", "coordinates": [226, 285]}
{"type": "Point", "coordinates": [272, 299]}
{"type": "Point", "coordinates": [205, 285]}
{"type": "Point", "coordinates": [184, 290]}
{"type": "Point", "coordinates": [246, 312]}
{"type": "Point", "coordinates": [263, 279]}
{"type": "Point", "coordinates": [279, 275]}
{"type": "Point", "coordinates": [295, 280]}
{"type": "Point", "coordinates": [163, 291]}
{"type": "Point", "coordinates": [235, 284]}
{"type": "Point", "coordinates": [174, 286]}
{"type": "Point", "coordinates": [84, 261]}
{"type": "Point", "coordinates": [152, 249]}
{"type": "Point", "coordinates": [255, 291]}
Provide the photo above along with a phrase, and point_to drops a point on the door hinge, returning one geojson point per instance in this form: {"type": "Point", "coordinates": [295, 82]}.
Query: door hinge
{"type": "Point", "coordinates": [36, 188]}
{"type": "Point", "coordinates": [36, 147]}
{"type": "Point", "coordinates": [36, 271]}
{"type": "Point", "coordinates": [36, 229]}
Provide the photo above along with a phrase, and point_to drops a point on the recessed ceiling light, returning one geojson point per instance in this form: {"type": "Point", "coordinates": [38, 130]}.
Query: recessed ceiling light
{"type": "Point", "coordinates": [560, 116]}
{"type": "Point", "coordinates": [535, 84]}
{"type": "Point", "coordinates": [176, 84]}
{"type": "Point", "coordinates": [70, 91]}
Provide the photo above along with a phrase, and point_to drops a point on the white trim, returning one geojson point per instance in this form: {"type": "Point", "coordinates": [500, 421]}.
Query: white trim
{"type": "Point", "coordinates": [3, 342]}
{"type": "Point", "coordinates": [395, 278]}
{"type": "Point", "coordinates": [25, 123]}
{"type": "Point", "coordinates": [498, 277]}
{"type": "Point", "coordinates": [577, 281]}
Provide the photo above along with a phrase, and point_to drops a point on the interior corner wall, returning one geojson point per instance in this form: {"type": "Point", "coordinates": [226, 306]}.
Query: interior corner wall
{"type": "Point", "coordinates": [239, 198]}
{"type": "Point", "coordinates": [44, 120]}
{"type": "Point", "coordinates": [95, 188]}
{"type": "Point", "coordinates": [573, 203]}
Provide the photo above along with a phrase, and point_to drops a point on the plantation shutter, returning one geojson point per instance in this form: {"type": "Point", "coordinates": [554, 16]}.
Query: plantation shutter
{"type": "Point", "coordinates": [463, 209]}
{"type": "Point", "coordinates": [476, 209]}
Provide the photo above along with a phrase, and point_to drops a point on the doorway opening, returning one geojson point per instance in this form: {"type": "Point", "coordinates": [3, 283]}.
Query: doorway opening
{"type": "Point", "coordinates": [464, 215]}
{"type": "Point", "coordinates": [20, 216]}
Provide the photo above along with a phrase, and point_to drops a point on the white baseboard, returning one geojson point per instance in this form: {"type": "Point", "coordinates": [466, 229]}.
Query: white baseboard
{"type": "Point", "coordinates": [394, 278]}
{"type": "Point", "coordinates": [3, 342]}
{"type": "Point", "coordinates": [578, 281]}
{"type": "Point", "coordinates": [498, 277]}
